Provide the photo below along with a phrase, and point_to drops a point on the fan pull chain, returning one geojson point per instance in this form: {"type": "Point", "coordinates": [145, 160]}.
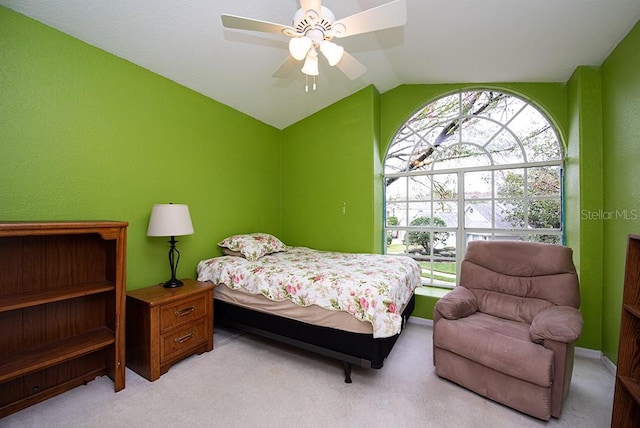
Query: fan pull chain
{"type": "Point", "coordinates": [306, 84]}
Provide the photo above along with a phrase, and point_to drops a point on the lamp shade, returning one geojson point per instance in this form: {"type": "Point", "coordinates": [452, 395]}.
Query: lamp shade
{"type": "Point", "coordinates": [170, 220]}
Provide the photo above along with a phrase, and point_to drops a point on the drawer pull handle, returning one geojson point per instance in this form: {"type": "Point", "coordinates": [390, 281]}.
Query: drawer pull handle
{"type": "Point", "coordinates": [184, 338]}
{"type": "Point", "coordinates": [185, 311]}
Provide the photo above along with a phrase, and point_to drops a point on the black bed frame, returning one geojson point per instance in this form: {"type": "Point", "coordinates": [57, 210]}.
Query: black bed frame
{"type": "Point", "coordinates": [350, 348]}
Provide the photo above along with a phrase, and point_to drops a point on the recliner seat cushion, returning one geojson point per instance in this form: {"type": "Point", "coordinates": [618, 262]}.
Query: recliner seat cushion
{"type": "Point", "coordinates": [500, 344]}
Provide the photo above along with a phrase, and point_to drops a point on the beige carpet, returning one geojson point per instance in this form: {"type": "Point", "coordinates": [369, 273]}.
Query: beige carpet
{"type": "Point", "coordinates": [248, 381]}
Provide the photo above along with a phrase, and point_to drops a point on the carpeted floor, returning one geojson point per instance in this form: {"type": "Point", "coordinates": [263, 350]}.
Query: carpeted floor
{"type": "Point", "coordinates": [247, 381]}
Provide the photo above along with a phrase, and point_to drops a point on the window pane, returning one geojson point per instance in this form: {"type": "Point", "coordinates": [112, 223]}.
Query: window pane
{"type": "Point", "coordinates": [418, 210]}
{"type": "Point", "coordinates": [422, 154]}
{"type": "Point", "coordinates": [395, 164]}
{"type": "Point", "coordinates": [440, 268]}
{"type": "Point", "coordinates": [478, 184]}
{"type": "Point", "coordinates": [533, 131]}
{"type": "Point", "coordinates": [444, 109]}
{"type": "Point", "coordinates": [542, 145]}
{"type": "Point", "coordinates": [505, 149]}
{"type": "Point", "coordinates": [445, 186]}
{"type": "Point", "coordinates": [478, 215]}
{"type": "Point", "coordinates": [510, 214]}
{"type": "Point", "coordinates": [436, 137]}
{"type": "Point", "coordinates": [445, 214]}
{"type": "Point", "coordinates": [428, 242]}
{"type": "Point", "coordinates": [500, 107]}
{"type": "Point", "coordinates": [480, 131]}
{"type": "Point", "coordinates": [396, 242]}
{"type": "Point", "coordinates": [424, 237]}
{"type": "Point", "coordinates": [544, 181]}
{"type": "Point", "coordinates": [544, 214]}
{"type": "Point", "coordinates": [396, 199]}
{"type": "Point", "coordinates": [420, 188]}
{"type": "Point", "coordinates": [396, 189]}
{"type": "Point", "coordinates": [510, 183]}
{"type": "Point", "coordinates": [500, 210]}
{"type": "Point", "coordinates": [397, 211]}
{"type": "Point", "coordinates": [392, 219]}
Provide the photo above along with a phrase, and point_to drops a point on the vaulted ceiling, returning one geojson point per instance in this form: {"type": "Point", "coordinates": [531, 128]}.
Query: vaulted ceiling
{"type": "Point", "coordinates": [444, 41]}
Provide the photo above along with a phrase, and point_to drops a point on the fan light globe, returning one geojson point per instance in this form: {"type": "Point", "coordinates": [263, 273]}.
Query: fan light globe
{"type": "Point", "coordinates": [299, 46]}
{"type": "Point", "coordinates": [310, 67]}
{"type": "Point", "coordinates": [332, 52]}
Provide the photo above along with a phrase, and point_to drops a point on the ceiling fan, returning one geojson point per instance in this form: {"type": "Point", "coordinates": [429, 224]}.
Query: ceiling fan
{"type": "Point", "coordinates": [313, 28]}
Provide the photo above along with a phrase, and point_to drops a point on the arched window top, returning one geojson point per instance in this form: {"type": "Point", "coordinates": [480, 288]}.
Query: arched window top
{"type": "Point", "coordinates": [474, 165]}
{"type": "Point", "coordinates": [473, 128]}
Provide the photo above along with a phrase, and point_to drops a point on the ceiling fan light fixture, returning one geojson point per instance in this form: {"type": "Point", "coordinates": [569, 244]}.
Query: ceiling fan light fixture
{"type": "Point", "coordinates": [313, 28]}
{"type": "Point", "coordinates": [310, 67]}
{"type": "Point", "coordinates": [299, 47]}
{"type": "Point", "coordinates": [332, 52]}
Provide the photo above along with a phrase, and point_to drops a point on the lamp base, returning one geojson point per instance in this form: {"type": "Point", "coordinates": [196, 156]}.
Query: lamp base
{"type": "Point", "coordinates": [173, 283]}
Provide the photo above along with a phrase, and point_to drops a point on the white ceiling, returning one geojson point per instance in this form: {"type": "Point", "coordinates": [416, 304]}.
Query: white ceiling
{"type": "Point", "coordinates": [444, 41]}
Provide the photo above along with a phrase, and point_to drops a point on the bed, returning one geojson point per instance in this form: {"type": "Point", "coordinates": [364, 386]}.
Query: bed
{"type": "Point", "coordinates": [351, 307]}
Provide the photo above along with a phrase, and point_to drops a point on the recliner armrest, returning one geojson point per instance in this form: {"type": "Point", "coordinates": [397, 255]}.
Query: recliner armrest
{"type": "Point", "coordinates": [559, 323]}
{"type": "Point", "coordinates": [458, 303]}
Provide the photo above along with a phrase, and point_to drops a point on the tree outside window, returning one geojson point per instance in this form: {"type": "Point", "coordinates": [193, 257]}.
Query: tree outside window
{"type": "Point", "coordinates": [473, 165]}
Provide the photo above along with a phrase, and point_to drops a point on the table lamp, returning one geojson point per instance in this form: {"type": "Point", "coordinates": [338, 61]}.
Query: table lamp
{"type": "Point", "coordinates": [171, 220]}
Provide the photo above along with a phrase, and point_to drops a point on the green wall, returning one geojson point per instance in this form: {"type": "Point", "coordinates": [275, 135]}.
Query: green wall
{"type": "Point", "coordinates": [584, 196]}
{"type": "Point", "coordinates": [621, 154]}
{"type": "Point", "coordinates": [331, 194]}
{"type": "Point", "coordinates": [86, 135]}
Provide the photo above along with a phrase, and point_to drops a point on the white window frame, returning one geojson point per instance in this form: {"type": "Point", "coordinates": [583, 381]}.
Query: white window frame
{"type": "Point", "coordinates": [461, 231]}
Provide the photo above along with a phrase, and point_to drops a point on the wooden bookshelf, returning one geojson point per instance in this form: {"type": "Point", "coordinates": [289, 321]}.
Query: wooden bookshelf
{"type": "Point", "coordinates": [626, 401]}
{"type": "Point", "coordinates": [62, 303]}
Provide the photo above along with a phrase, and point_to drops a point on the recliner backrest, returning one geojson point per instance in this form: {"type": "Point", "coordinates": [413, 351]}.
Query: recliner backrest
{"type": "Point", "coordinates": [515, 280]}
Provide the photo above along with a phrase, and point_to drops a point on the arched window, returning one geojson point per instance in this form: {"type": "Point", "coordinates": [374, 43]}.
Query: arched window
{"type": "Point", "coordinates": [473, 165]}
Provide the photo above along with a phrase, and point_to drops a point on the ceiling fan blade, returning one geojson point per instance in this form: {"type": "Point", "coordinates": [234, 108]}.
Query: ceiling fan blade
{"type": "Point", "coordinates": [242, 23]}
{"type": "Point", "coordinates": [315, 5]}
{"type": "Point", "coordinates": [351, 67]}
{"type": "Point", "coordinates": [388, 15]}
{"type": "Point", "coordinates": [285, 69]}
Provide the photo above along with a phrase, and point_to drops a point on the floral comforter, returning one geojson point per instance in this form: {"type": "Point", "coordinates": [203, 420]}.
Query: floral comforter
{"type": "Point", "coordinates": [371, 287]}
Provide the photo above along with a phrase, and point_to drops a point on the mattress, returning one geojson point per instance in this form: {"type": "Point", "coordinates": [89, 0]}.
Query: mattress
{"type": "Point", "coordinates": [309, 314]}
{"type": "Point", "coordinates": [331, 287]}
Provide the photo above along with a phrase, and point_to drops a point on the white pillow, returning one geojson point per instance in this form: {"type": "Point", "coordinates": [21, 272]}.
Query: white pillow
{"type": "Point", "coordinates": [253, 245]}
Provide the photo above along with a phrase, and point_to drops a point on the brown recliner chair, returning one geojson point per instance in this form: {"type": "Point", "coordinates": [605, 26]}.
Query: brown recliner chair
{"type": "Point", "coordinates": [507, 332]}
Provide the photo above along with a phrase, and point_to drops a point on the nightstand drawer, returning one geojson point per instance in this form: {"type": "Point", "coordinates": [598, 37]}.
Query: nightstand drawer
{"type": "Point", "coordinates": [181, 342]}
{"type": "Point", "coordinates": [183, 312]}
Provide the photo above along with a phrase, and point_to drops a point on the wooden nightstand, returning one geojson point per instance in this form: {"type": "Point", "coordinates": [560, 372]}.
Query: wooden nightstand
{"type": "Point", "coordinates": [165, 325]}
